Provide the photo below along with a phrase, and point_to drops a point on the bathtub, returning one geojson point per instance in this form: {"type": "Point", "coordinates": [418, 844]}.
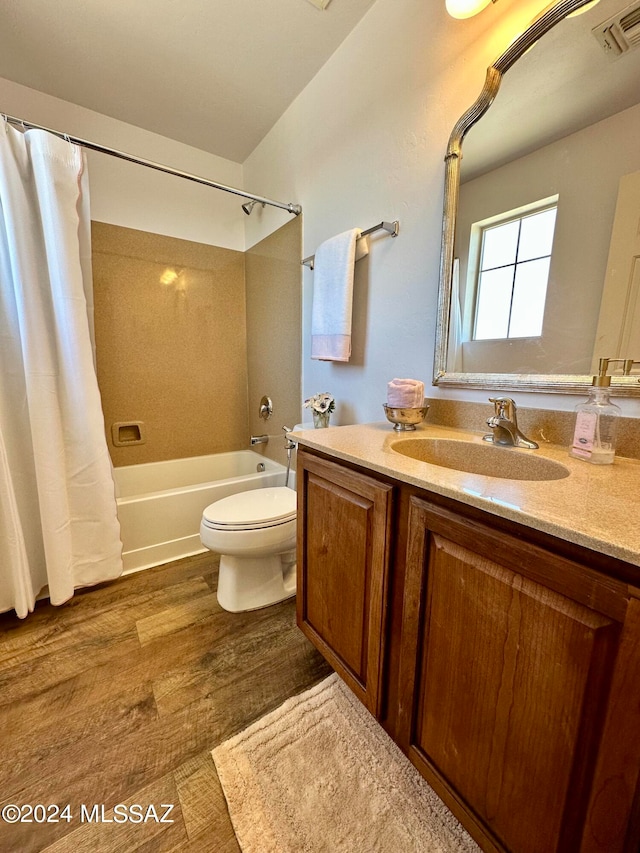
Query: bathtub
{"type": "Point", "coordinates": [160, 504]}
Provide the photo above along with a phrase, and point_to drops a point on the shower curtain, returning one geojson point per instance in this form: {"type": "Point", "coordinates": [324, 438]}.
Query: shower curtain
{"type": "Point", "coordinates": [58, 522]}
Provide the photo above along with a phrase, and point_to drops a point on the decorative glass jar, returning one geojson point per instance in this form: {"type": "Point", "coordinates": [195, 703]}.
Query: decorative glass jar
{"type": "Point", "coordinates": [320, 419]}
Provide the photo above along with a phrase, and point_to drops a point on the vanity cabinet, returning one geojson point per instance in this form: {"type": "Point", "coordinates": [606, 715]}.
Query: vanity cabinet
{"type": "Point", "coordinates": [508, 667]}
{"type": "Point", "coordinates": [507, 658]}
{"type": "Point", "coordinates": [344, 523]}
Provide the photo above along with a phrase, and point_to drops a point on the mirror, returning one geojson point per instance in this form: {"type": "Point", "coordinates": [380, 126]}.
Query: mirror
{"type": "Point", "coordinates": [548, 140]}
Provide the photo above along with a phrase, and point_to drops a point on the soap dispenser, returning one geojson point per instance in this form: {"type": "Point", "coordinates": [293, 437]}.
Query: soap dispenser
{"type": "Point", "coordinates": [594, 438]}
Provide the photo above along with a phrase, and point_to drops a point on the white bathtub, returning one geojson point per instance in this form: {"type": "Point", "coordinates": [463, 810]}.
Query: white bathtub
{"type": "Point", "coordinates": [160, 504]}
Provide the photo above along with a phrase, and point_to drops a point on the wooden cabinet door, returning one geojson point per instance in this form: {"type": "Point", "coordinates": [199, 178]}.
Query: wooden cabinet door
{"type": "Point", "coordinates": [508, 653]}
{"type": "Point", "coordinates": [344, 522]}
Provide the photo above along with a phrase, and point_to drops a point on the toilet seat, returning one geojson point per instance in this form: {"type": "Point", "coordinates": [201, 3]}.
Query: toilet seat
{"type": "Point", "coordinates": [254, 532]}
{"type": "Point", "coordinates": [256, 509]}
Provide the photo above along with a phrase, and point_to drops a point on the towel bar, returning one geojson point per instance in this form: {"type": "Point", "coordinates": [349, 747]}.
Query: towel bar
{"type": "Point", "coordinates": [391, 227]}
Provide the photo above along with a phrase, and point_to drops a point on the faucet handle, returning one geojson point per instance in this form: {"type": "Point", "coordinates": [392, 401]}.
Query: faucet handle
{"type": "Point", "coordinates": [505, 407]}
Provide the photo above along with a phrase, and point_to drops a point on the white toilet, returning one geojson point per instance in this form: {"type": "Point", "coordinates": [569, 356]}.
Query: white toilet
{"type": "Point", "coordinates": [255, 534]}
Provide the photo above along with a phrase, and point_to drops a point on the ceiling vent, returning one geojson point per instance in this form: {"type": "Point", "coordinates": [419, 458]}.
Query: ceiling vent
{"type": "Point", "coordinates": [621, 33]}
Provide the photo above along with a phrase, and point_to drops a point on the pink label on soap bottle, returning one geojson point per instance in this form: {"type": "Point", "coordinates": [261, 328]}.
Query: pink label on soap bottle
{"type": "Point", "coordinates": [584, 434]}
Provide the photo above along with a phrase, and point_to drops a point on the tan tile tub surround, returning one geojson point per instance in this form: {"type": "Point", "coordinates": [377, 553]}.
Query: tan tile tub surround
{"type": "Point", "coordinates": [274, 333]}
{"type": "Point", "coordinates": [595, 506]}
{"type": "Point", "coordinates": [171, 343]}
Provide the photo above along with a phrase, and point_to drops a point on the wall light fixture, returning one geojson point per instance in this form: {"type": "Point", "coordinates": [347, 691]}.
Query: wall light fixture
{"type": "Point", "coordinates": [583, 9]}
{"type": "Point", "coordinates": [466, 8]}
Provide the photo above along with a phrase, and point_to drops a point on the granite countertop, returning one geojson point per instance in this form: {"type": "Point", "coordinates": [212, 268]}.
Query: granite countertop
{"type": "Point", "coordinates": [596, 506]}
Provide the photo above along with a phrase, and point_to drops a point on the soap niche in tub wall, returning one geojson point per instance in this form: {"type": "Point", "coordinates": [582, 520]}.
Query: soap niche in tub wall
{"type": "Point", "coordinates": [125, 433]}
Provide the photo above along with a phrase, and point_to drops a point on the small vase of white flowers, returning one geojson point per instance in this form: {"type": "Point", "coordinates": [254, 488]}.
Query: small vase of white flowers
{"type": "Point", "coordinates": [321, 406]}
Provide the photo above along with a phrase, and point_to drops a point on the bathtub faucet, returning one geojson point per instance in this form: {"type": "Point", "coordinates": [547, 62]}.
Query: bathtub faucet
{"type": "Point", "coordinates": [259, 439]}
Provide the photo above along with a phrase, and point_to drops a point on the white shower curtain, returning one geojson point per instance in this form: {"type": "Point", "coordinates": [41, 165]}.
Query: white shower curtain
{"type": "Point", "coordinates": [58, 522]}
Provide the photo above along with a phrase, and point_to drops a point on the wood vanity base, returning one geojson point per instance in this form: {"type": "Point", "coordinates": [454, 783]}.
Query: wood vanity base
{"type": "Point", "coordinates": [503, 661]}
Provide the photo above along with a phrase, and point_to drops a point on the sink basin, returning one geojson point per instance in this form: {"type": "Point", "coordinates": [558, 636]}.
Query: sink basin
{"type": "Point", "coordinates": [486, 459]}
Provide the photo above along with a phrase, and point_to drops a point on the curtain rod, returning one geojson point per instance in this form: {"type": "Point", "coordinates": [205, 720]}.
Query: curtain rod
{"type": "Point", "coordinates": [392, 228]}
{"type": "Point", "coordinates": [295, 209]}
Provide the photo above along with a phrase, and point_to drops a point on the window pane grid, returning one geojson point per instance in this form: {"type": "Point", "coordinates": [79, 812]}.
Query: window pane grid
{"type": "Point", "coordinates": [503, 266]}
{"type": "Point", "coordinates": [512, 280]}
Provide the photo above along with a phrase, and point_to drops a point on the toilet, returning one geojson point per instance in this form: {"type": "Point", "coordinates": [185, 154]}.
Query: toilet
{"type": "Point", "coordinates": [255, 534]}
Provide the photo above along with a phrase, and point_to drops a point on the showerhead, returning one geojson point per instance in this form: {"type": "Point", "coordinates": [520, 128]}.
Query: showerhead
{"type": "Point", "coordinates": [249, 205]}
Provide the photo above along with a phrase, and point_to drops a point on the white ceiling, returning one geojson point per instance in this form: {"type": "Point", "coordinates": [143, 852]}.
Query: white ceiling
{"type": "Point", "coordinates": [215, 74]}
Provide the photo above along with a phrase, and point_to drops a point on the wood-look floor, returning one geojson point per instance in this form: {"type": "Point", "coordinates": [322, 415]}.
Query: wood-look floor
{"type": "Point", "coordinates": [120, 695]}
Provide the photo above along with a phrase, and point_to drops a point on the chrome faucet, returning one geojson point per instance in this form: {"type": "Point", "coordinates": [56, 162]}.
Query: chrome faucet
{"type": "Point", "coordinates": [259, 439]}
{"type": "Point", "coordinates": [504, 424]}
{"type": "Point", "coordinates": [289, 443]}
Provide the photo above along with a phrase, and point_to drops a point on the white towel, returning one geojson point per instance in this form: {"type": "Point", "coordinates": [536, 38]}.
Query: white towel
{"type": "Point", "coordinates": [405, 394]}
{"type": "Point", "coordinates": [333, 295]}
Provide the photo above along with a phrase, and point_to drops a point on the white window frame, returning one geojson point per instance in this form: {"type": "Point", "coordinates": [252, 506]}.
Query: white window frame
{"type": "Point", "coordinates": [478, 230]}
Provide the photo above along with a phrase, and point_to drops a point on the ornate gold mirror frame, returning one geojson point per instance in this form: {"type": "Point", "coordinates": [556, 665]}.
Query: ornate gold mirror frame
{"type": "Point", "coordinates": [624, 386]}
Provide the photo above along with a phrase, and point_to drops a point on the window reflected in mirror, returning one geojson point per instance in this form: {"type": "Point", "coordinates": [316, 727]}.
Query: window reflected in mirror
{"type": "Point", "coordinates": [513, 273]}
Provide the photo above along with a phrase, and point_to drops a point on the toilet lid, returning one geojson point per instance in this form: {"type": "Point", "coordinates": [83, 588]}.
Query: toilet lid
{"type": "Point", "coordinates": [253, 509]}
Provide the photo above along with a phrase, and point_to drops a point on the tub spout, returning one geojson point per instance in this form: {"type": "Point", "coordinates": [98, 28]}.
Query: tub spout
{"type": "Point", "coordinates": [259, 439]}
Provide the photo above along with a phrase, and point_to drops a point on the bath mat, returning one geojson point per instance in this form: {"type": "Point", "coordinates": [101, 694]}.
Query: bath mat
{"type": "Point", "coordinates": [319, 775]}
